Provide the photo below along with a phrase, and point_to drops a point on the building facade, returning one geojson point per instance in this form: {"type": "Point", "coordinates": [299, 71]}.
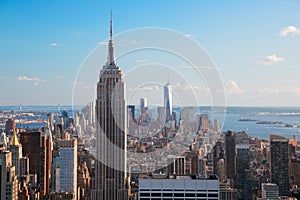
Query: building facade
{"type": "Point", "coordinates": [280, 163]}
{"type": "Point", "coordinates": [111, 126]}
{"type": "Point", "coordinates": [67, 166]}
{"type": "Point", "coordinates": [168, 101]}
{"type": "Point", "coordinates": [179, 187]}
{"type": "Point", "coordinates": [230, 157]}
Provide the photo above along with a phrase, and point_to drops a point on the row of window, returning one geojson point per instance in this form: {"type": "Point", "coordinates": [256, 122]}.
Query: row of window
{"type": "Point", "coordinates": [178, 195]}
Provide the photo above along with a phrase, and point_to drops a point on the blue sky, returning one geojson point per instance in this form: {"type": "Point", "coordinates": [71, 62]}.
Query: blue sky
{"type": "Point", "coordinates": [255, 44]}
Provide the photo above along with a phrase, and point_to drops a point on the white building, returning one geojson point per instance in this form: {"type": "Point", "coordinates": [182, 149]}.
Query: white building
{"type": "Point", "coordinates": [180, 187]}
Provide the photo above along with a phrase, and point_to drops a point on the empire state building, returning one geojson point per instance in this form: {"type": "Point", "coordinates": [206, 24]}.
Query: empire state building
{"type": "Point", "coordinates": [110, 174]}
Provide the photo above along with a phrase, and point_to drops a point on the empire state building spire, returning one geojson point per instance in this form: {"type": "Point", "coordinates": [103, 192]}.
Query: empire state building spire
{"type": "Point", "coordinates": [111, 56]}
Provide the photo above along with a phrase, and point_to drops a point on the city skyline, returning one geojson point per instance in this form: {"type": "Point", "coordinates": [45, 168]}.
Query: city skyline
{"type": "Point", "coordinates": [251, 47]}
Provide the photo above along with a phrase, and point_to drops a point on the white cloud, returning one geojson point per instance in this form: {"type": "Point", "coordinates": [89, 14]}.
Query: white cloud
{"type": "Point", "coordinates": [271, 90]}
{"type": "Point", "coordinates": [233, 88]}
{"type": "Point", "coordinates": [145, 88]}
{"type": "Point", "coordinates": [103, 43]}
{"type": "Point", "coordinates": [25, 78]}
{"type": "Point", "coordinates": [270, 60]}
{"type": "Point", "coordinates": [134, 42]}
{"type": "Point", "coordinates": [197, 67]}
{"type": "Point", "coordinates": [184, 87]}
{"type": "Point", "coordinates": [189, 36]}
{"type": "Point", "coordinates": [141, 61]}
{"type": "Point", "coordinates": [290, 30]}
{"type": "Point", "coordinates": [35, 80]}
{"type": "Point", "coordinates": [54, 44]}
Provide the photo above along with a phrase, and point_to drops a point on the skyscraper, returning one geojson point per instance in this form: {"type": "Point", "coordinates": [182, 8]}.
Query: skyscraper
{"type": "Point", "coordinates": [68, 166]}
{"type": "Point", "coordinates": [279, 163]}
{"type": "Point", "coordinates": [32, 148]}
{"type": "Point", "coordinates": [16, 149]}
{"type": "Point", "coordinates": [10, 125]}
{"type": "Point", "coordinates": [168, 101]}
{"type": "Point", "coordinates": [230, 157]}
{"type": "Point", "coordinates": [243, 183]}
{"type": "Point", "coordinates": [8, 179]}
{"type": "Point", "coordinates": [111, 131]}
{"type": "Point", "coordinates": [46, 160]}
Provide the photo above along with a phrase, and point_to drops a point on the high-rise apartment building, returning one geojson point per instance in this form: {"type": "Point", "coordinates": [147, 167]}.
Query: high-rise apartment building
{"type": "Point", "coordinates": [67, 166]}
{"type": "Point", "coordinates": [32, 146]}
{"type": "Point", "coordinates": [280, 163]}
{"type": "Point", "coordinates": [8, 178]}
{"type": "Point", "coordinates": [243, 184]}
{"type": "Point", "coordinates": [111, 126]}
{"type": "Point", "coordinates": [10, 125]}
{"type": "Point", "coordinates": [230, 157]}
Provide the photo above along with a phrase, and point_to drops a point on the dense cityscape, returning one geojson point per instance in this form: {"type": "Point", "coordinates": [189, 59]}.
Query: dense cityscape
{"type": "Point", "coordinates": [109, 149]}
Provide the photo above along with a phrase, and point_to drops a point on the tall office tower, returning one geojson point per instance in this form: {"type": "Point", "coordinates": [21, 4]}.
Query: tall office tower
{"type": "Point", "coordinates": [243, 187]}
{"type": "Point", "coordinates": [3, 140]}
{"type": "Point", "coordinates": [131, 112]}
{"type": "Point", "coordinates": [32, 148]}
{"type": "Point", "coordinates": [177, 166]}
{"type": "Point", "coordinates": [204, 123]}
{"type": "Point", "coordinates": [144, 110]}
{"type": "Point", "coordinates": [218, 156]}
{"type": "Point", "coordinates": [143, 103]}
{"type": "Point", "coordinates": [8, 178]}
{"type": "Point", "coordinates": [280, 163]}
{"type": "Point", "coordinates": [230, 157]}
{"type": "Point", "coordinates": [83, 180]}
{"type": "Point", "coordinates": [294, 172]}
{"type": "Point", "coordinates": [91, 112]}
{"type": "Point", "coordinates": [68, 166]}
{"type": "Point", "coordinates": [46, 161]}
{"type": "Point", "coordinates": [10, 125]}
{"type": "Point", "coordinates": [24, 166]}
{"type": "Point", "coordinates": [161, 115]}
{"type": "Point", "coordinates": [50, 119]}
{"type": "Point", "coordinates": [16, 149]}
{"type": "Point", "coordinates": [111, 131]}
{"type": "Point", "coordinates": [76, 119]}
{"type": "Point", "coordinates": [168, 101]}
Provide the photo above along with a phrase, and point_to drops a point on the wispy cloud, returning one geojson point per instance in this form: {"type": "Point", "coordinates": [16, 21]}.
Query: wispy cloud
{"type": "Point", "coordinates": [270, 90]}
{"type": "Point", "coordinates": [25, 78]}
{"type": "Point", "coordinates": [54, 44]}
{"type": "Point", "coordinates": [148, 88]}
{"type": "Point", "coordinates": [270, 60]}
{"type": "Point", "coordinates": [197, 67]}
{"type": "Point", "coordinates": [189, 36]}
{"type": "Point", "coordinates": [184, 87]}
{"type": "Point", "coordinates": [134, 42]}
{"type": "Point", "coordinates": [103, 43]}
{"type": "Point", "coordinates": [289, 30]}
{"type": "Point", "coordinates": [233, 88]}
{"type": "Point", "coordinates": [141, 61]}
{"type": "Point", "coordinates": [35, 80]}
